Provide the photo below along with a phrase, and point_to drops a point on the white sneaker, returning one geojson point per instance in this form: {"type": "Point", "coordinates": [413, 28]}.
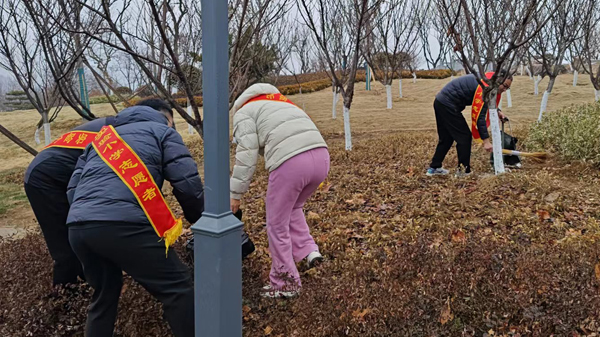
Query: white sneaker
{"type": "Point", "coordinates": [268, 292]}
{"type": "Point", "coordinates": [314, 259]}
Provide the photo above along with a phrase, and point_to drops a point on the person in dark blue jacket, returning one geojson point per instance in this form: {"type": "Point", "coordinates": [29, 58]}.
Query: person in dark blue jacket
{"type": "Point", "coordinates": [46, 181]}
{"type": "Point", "coordinates": [110, 233]}
{"type": "Point", "coordinates": [448, 105]}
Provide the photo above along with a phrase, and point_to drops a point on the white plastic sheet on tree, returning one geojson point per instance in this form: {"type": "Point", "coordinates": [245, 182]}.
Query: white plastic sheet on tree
{"type": "Point", "coordinates": [189, 112]}
{"type": "Point", "coordinates": [400, 87]}
{"type": "Point", "coordinates": [47, 138]}
{"type": "Point", "coordinates": [544, 105]}
{"type": "Point", "coordinates": [36, 136]}
{"type": "Point", "coordinates": [347, 133]}
{"type": "Point", "coordinates": [496, 141]}
{"type": "Point", "coordinates": [536, 83]}
{"type": "Point", "coordinates": [388, 92]}
{"type": "Point", "coordinates": [335, 101]}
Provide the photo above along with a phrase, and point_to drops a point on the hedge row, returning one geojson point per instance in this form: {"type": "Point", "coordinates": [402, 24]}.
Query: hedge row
{"type": "Point", "coordinates": [308, 87]}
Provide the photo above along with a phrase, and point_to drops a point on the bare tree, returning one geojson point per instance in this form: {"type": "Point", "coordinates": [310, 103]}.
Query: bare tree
{"type": "Point", "coordinates": [587, 49]}
{"type": "Point", "coordinates": [431, 29]}
{"type": "Point", "coordinates": [391, 46]}
{"type": "Point", "coordinates": [555, 39]}
{"type": "Point", "coordinates": [492, 32]}
{"type": "Point", "coordinates": [21, 53]}
{"type": "Point", "coordinates": [338, 28]}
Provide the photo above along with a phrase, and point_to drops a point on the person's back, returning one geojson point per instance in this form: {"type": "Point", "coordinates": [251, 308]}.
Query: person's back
{"type": "Point", "coordinates": [112, 231]}
{"type": "Point", "coordinates": [102, 196]}
{"type": "Point", "coordinates": [459, 93]}
{"type": "Point", "coordinates": [283, 129]}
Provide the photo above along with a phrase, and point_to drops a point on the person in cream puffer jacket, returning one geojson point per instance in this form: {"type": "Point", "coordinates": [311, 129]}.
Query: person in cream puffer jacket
{"type": "Point", "coordinates": [296, 156]}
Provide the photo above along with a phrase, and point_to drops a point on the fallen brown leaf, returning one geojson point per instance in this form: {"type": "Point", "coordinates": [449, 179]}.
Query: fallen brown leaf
{"type": "Point", "coordinates": [268, 330]}
{"type": "Point", "coordinates": [458, 236]}
{"type": "Point", "coordinates": [446, 314]}
{"type": "Point", "coordinates": [543, 215]}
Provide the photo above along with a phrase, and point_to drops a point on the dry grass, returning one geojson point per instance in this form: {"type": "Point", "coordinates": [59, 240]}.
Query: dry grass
{"type": "Point", "coordinates": [515, 255]}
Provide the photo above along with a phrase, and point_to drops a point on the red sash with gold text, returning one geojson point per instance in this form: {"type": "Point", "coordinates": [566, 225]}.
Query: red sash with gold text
{"type": "Point", "coordinates": [74, 140]}
{"type": "Point", "coordinates": [270, 97]}
{"type": "Point", "coordinates": [477, 106]}
{"type": "Point", "coordinates": [133, 172]}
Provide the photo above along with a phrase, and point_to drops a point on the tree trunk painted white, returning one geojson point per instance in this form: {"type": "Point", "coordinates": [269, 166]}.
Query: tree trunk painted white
{"type": "Point", "coordinates": [388, 92]}
{"type": "Point", "coordinates": [575, 77]}
{"type": "Point", "coordinates": [544, 105]}
{"type": "Point", "coordinates": [536, 83]}
{"type": "Point", "coordinates": [47, 137]}
{"type": "Point", "coordinates": [303, 103]}
{"type": "Point", "coordinates": [451, 77]}
{"type": "Point", "coordinates": [189, 111]}
{"type": "Point", "coordinates": [335, 101]}
{"type": "Point", "coordinates": [529, 73]}
{"type": "Point", "coordinates": [521, 70]}
{"type": "Point", "coordinates": [414, 75]}
{"type": "Point", "coordinates": [597, 92]}
{"type": "Point", "coordinates": [496, 137]}
{"type": "Point", "coordinates": [400, 87]}
{"type": "Point", "coordinates": [347, 133]}
{"type": "Point", "coordinates": [508, 99]}
{"type": "Point", "coordinates": [36, 135]}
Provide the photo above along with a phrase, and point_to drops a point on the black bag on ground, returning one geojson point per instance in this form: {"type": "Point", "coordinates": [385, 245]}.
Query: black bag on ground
{"type": "Point", "coordinates": [509, 143]}
{"type": "Point", "coordinates": [247, 244]}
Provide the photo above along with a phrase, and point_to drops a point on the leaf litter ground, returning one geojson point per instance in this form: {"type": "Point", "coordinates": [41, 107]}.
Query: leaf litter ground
{"type": "Point", "coordinates": [407, 255]}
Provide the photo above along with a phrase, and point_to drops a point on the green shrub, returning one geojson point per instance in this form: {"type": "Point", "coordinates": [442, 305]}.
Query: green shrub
{"type": "Point", "coordinates": [573, 133]}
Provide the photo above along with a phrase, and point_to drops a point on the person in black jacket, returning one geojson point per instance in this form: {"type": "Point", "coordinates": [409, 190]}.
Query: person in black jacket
{"type": "Point", "coordinates": [46, 181]}
{"type": "Point", "coordinates": [110, 232]}
{"type": "Point", "coordinates": [448, 105]}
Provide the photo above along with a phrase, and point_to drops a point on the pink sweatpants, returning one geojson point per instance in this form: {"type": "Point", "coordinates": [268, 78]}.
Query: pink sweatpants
{"type": "Point", "coordinates": [290, 185]}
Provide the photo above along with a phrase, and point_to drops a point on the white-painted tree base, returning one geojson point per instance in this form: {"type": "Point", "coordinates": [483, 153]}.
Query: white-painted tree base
{"type": "Point", "coordinates": [508, 98]}
{"type": "Point", "coordinates": [36, 136]}
{"type": "Point", "coordinates": [496, 142]}
{"type": "Point", "coordinates": [347, 132]}
{"type": "Point", "coordinates": [536, 83]}
{"type": "Point", "coordinates": [189, 112]}
{"type": "Point", "coordinates": [529, 73]}
{"type": "Point", "coordinates": [388, 93]}
{"type": "Point", "coordinates": [414, 75]}
{"type": "Point", "coordinates": [47, 137]}
{"type": "Point", "coordinates": [400, 87]}
{"type": "Point", "coordinates": [544, 105]}
{"type": "Point", "coordinates": [335, 101]}
{"type": "Point", "coordinates": [575, 77]}
{"type": "Point", "coordinates": [597, 92]}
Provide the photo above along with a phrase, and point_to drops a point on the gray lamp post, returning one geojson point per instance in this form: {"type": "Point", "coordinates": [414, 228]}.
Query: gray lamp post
{"type": "Point", "coordinates": [217, 235]}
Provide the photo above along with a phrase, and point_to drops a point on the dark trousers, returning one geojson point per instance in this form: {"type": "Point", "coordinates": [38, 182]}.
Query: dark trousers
{"type": "Point", "coordinates": [107, 249]}
{"type": "Point", "coordinates": [451, 127]}
{"type": "Point", "coordinates": [51, 208]}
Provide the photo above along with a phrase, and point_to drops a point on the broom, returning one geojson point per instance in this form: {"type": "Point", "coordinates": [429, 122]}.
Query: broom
{"type": "Point", "coordinates": [535, 155]}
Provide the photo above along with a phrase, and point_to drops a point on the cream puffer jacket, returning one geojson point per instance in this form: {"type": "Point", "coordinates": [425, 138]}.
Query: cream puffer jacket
{"type": "Point", "coordinates": [277, 130]}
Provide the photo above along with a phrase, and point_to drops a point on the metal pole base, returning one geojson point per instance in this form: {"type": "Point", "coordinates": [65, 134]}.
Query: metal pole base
{"type": "Point", "coordinates": [218, 275]}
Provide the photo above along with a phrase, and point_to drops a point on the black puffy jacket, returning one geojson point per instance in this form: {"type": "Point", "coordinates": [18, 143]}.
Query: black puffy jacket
{"type": "Point", "coordinates": [458, 94]}
{"type": "Point", "coordinates": [97, 194]}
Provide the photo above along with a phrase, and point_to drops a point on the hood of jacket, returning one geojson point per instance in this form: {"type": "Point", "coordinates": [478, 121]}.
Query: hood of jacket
{"type": "Point", "coordinates": [136, 114]}
{"type": "Point", "coordinates": [253, 91]}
